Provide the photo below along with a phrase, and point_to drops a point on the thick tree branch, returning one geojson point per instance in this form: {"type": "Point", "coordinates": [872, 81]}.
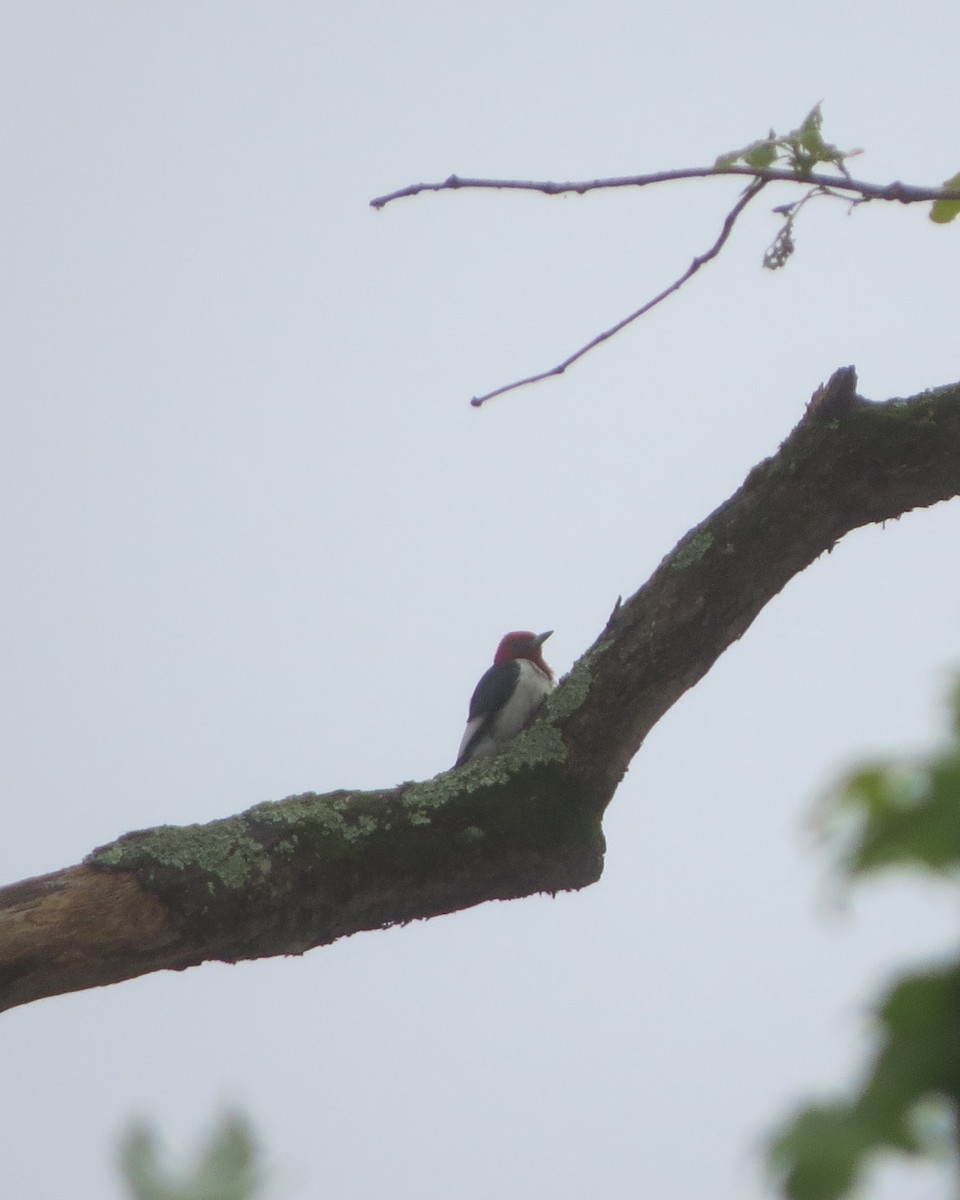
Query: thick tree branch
{"type": "Point", "coordinates": [282, 878]}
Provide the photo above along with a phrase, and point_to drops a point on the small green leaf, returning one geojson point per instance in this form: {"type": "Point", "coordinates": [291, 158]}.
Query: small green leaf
{"type": "Point", "coordinates": [760, 155]}
{"type": "Point", "coordinates": [905, 816]}
{"type": "Point", "coordinates": [817, 1156]}
{"type": "Point", "coordinates": [943, 211]}
{"type": "Point", "coordinates": [920, 1018]}
{"type": "Point", "coordinates": [141, 1170]}
{"type": "Point", "coordinates": [808, 135]}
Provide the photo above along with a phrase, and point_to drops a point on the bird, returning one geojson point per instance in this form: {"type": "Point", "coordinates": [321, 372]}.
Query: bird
{"type": "Point", "coordinates": [507, 695]}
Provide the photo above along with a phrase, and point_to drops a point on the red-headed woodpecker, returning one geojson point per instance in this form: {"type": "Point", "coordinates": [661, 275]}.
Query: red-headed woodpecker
{"type": "Point", "coordinates": [507, 696]}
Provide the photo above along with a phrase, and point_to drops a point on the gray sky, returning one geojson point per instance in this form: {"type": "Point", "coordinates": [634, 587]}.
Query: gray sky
{"type": "Point", "coordinates": [256, 542]}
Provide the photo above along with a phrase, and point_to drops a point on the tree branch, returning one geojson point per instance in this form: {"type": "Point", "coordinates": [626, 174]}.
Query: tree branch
{"type": "Point", "coordinates": [701, 260]}
{"type": "Point", "coordinates": [901, 193]}
{"type": "Point", "coordinates": [282, 878]}
{"type": "Point", "coordinates": [837, 184]}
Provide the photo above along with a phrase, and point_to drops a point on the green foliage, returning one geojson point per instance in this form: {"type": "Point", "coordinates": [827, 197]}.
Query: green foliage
{"type": "Point", "coordinates": [801, 150]}
{"type": "Point", "coordinates": [822, 1152]}
{"type": "Point", "coordinates": [906, 816]}
{"type": "Point", "coordinates": [226, 1168]}
{"type": "Point", "coordinates": [943, 211]}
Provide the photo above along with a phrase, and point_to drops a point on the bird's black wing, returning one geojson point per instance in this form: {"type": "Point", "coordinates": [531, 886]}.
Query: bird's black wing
{"type": "Point", "coordinates": [489, 696]}
{"type": "Point", "coordinates": [493, 690]}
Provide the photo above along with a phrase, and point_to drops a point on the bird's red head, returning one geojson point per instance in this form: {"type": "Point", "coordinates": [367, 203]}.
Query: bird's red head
{"type": "Point", "coordinates": [523, 645]}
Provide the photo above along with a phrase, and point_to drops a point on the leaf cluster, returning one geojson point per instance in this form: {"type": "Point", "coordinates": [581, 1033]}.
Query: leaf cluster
{"type": "Point", "coordinates": [904, 816]}
{"type": "Point", "coordinates": [225, 1169]}
{"type": "Point", "coordinates": [801, 150]}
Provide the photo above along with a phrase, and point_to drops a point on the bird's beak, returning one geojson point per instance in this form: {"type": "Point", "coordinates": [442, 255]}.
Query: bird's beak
{"type": "Point", "coordinates": [542, 637]}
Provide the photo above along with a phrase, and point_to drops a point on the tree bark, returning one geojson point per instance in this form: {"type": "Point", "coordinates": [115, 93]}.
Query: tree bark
{"type": "Point", "coordinates": [284, 877]}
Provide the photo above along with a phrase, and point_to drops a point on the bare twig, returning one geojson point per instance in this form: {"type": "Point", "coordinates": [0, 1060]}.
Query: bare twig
{"type": "Point", "coordinates": [902, 193]}
{"type": "Point", "coordinates": [701, 260]}
{"type": "Point", "coordinates": [839, 185]}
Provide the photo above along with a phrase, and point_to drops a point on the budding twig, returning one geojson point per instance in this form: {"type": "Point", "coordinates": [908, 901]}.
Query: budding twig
{"type": "Point", "coordinates": [903, 193]}
{"type": "Point", "coordinates": [838, 184]}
